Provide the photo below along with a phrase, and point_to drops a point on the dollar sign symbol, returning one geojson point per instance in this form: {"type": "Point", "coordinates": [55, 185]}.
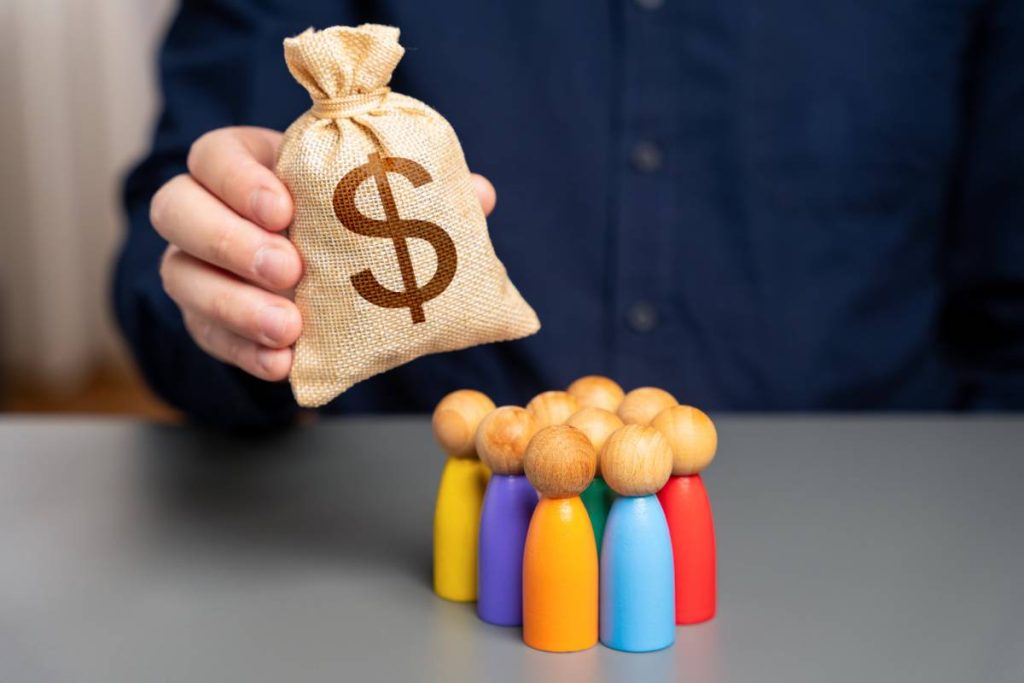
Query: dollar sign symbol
{"type": "Point", "coordinates": [398, 230]}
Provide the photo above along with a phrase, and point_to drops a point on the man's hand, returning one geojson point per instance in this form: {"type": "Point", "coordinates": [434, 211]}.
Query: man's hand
{"type": "Point", "coordinates": [228, 267]}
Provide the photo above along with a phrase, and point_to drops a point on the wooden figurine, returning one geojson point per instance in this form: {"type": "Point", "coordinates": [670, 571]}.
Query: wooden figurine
{"type": "Point", "coordinates": [595, 391]}
{"type": "Point", "coordinates": [459, 495]}
{"type": "Point", "coordinates": [692, 437]}
{"type": "Point", "coordinates": [560, 586]}
{"type": "Point", "coordinates": [636, 561]}
{"type": "Point", "coordinates": [598, 425]}
{"type": "Point", "coordinates": [552, 408]}
{"type": "Point", "coordinates": [501, 441]}
{"type": "Point", "coordinates": [640, 406]}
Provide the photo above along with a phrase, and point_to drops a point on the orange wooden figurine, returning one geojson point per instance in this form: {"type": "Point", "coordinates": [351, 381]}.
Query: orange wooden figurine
{"type": "Point", "coordinates": [560, 585]}
{"type": "Point", "coordinates": [460, 494]}
{"type": "Point", "coordinates": [692, 437]}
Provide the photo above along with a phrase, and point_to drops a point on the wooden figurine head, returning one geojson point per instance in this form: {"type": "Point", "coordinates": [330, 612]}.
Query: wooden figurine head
{"type": "Point", "coordinates": [691, 435]}
{"type": "Point", "coordinates": [598, 425]}
{"type": "Point", "coordinates": [502, 437]}
{"type": "Point", "coordinates": [594, 391]}
{"type": "Point", "coordinates": [642, 405]}
{"type": "Point", "coordinates": [455, 421]}
{"type": "Point", "coordinates": [560, 461]}
{"type": "Point", "coordinates": [552, 408]}
{"type": "Point", "coordinates": [636, 460]}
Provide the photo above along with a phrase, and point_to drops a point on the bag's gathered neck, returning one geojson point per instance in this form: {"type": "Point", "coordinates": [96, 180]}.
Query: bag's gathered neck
{"type": "Point", "coordinates": [350, 105]}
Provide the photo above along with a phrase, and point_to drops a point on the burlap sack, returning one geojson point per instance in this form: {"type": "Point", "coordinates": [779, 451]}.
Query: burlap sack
{"type": "Point", "coordinates": [398, 262]}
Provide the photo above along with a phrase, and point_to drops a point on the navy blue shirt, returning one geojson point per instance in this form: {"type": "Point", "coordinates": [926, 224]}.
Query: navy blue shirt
{"type": "Point", "coordinates": [756, 205]}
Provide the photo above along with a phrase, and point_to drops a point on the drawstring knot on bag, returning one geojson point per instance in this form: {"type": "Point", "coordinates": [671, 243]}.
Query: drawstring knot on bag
{"type": "Point", "coordinates": [352, 105]}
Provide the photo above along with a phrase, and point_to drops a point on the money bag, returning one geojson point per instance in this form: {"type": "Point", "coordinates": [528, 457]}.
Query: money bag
{"type": "Point", "coordinates": [397, 259]}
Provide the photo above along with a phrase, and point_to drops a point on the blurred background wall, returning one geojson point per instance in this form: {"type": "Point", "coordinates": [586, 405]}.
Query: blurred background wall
{"type": "Point", "coordinates": [78, 103]}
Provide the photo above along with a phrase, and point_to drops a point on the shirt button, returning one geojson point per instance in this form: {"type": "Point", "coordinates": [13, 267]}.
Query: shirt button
{"type": "Point", "coordinates": [646, 157]}
{"type": "Point", "coordinates": [649, 4]}
{"type": "Point", "coordinates": [642, 317]}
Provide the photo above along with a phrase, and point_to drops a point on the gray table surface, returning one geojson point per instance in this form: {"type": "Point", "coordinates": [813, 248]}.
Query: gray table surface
{"type": "Point", "coordinates": [850, 549]}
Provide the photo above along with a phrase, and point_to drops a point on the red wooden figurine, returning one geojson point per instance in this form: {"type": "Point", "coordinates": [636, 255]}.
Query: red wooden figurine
{"type": "Point", "coordinates": [693, 439]}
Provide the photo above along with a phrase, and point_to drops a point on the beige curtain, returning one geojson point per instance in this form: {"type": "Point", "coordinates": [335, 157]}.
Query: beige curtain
{"type": "Point", "coordinates": [77, 79]}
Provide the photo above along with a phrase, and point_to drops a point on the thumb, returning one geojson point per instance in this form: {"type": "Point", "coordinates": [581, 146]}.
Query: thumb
{"type": "Point", "coordinates": [484, 192]}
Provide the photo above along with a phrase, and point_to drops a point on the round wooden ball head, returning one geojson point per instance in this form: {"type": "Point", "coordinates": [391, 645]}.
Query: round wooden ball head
{"type": "Point", "coordinates": [598, 425]}
{"type": "Point", "coordinates": [595, 391]}
{"type": "Point", "coordinates": [642, 405]}
{"type": "Point", "coordinates": [691, 435]}
{"type": "Point", "coordinates": [502, 438]}
{"type": "Point", "coordinates": [552, 407]}
{"type": "Point", "coordinates": [636, 461]}
{"type": "Point", "coordinates": [560, 462]}
{"type": "Point", "coordinates": [455, 421]}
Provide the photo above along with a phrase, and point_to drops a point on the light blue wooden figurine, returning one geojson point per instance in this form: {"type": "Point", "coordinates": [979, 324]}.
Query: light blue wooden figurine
{"type": "Point", "coordinates": [637, 578]}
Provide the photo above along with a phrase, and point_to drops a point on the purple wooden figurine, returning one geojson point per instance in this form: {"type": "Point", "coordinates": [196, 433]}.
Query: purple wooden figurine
{"type": "Point", "coordinates": [501, 441]}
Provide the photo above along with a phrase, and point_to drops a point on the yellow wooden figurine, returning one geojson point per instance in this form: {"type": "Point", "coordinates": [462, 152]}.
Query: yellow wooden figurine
{"type": "Point", "coordinates": [460, 494]}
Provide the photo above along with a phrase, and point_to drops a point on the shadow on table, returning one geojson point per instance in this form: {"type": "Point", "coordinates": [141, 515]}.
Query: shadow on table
{"type": "Point", "coordinates": [456, 635]}
{"type": "Point", "coordinates": [352, 497]}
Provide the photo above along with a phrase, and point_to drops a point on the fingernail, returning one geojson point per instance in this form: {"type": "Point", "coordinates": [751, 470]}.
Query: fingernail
{"type": "Point", "coordinates": [264, 206]}
{"type": "Point", "coordinates": [273, 320]}
{"type": "Point", "coordinates": [272, 265]}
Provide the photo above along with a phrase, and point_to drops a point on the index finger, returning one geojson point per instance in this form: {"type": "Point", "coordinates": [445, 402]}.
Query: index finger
{"type": "Point", "coordinates": [234, 164]}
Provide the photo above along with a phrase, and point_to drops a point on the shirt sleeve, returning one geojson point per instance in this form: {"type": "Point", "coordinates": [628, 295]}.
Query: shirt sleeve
{"type": "Point", "coordinates": [985, 312]}
{"type": "Point", "coordinates": [221, 64]}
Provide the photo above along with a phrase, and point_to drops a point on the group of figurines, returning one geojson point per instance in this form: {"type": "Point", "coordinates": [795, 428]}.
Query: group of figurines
{"type": "Point", "coordinates": [581, 516]}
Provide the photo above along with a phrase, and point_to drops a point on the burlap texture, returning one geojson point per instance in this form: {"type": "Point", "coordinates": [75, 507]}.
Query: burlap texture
{"type": "Point", "coordinates": [355, 128]}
